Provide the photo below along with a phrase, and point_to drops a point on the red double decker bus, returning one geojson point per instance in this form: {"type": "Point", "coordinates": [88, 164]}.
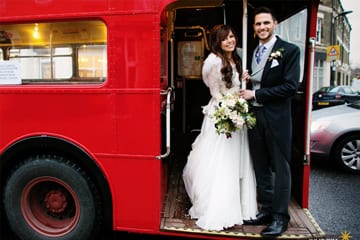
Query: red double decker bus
{"type": "Point", "coordinates": [100, 101]}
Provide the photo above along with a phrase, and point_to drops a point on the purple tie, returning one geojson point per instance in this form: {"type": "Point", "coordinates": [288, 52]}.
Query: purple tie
{"type": "Point", "coordinates": [259, 53]}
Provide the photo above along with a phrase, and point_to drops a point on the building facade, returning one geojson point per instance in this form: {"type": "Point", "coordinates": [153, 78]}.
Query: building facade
{"type": "Point", "coordinates": [332, 68]}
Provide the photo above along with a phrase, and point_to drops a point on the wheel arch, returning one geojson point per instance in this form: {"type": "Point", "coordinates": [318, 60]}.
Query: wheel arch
{"type": "Point", "coordinates": [44, 144]}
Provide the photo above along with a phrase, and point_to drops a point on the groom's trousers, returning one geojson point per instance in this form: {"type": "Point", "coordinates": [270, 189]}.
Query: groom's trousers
{"type": "Point", "coordinates": [272, 167]}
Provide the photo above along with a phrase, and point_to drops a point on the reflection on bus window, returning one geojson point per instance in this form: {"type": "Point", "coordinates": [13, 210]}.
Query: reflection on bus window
{"type": "Point", "coordinates": [92, 61]}
{"type": "Point", "coordinates": [293, 30]}
{"type": "Point", "coordinates": [5, 44]}
{"type": "Point", "coordinates": [57, 52]}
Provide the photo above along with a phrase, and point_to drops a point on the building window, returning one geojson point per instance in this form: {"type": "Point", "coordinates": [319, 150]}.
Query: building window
{"type": "Point", "coordinates": [318, 75]}
{"type": "Point", "coordinates": [318, 30]}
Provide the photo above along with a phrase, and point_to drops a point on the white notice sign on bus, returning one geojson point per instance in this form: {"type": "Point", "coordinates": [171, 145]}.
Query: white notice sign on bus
{"type": "Point", "coordinates": [10, 72]}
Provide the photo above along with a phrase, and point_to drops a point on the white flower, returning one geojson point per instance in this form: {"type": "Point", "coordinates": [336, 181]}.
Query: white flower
{"type": "Point", "coordinates": [276, 54]}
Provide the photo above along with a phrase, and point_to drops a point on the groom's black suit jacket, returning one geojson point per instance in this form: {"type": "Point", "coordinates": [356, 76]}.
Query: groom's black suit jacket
{"type": "Point", "coordinates": [278, 84]}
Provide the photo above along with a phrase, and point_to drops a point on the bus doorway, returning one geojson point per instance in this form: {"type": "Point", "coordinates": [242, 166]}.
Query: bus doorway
{"type": "Point", "coordinates": [190, 24]}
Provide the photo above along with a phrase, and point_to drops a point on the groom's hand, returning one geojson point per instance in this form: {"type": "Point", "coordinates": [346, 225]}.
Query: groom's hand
{"type": "Point", "coordinates": [247, 94]}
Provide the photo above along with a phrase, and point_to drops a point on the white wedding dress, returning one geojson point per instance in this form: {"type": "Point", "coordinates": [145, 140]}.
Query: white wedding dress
{"type": "Point", "coordinates": [219, 176]}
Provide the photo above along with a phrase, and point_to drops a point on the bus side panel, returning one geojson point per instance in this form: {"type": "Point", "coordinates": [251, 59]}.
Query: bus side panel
{"type": "Point", "coordinates": [134, 65]}
{"type": "Point", "coordinates": [100, 120]}
{"type": "Point", "coordinates": [82, 116]}
{"type": "Point", "coordinates": [136, 193]}
{"type": "Point", "coordinates": [134, 51]}
{"type": "Point", "coordinates": [40, 7]}
{"type": "Point", "coordinates": [134, 76]}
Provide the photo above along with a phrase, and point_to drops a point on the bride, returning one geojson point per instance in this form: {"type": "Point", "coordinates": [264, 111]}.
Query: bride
{"type": "Point", "coordinates": [219, 176]}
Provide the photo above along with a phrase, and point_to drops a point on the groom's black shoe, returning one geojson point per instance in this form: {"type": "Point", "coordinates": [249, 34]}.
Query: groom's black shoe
{"type": "Point", "coordinates": [261, 218]}
{"type": "Point", "coordinates": [276, 227]}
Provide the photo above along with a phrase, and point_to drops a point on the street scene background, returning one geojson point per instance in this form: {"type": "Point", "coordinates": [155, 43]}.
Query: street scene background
{"type": "Point", "coordinates": [334, 199]}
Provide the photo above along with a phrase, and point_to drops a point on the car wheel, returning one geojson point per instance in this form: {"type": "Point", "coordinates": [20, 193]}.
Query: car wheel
{"type": "Point", "coordinates": [47, 197]}
{"type": "Point", "coordinates": [347, 153]}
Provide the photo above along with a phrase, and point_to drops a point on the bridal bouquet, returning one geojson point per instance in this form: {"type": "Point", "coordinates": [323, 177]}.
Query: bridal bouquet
{"type": "Point", "coordinates": [231, 114]}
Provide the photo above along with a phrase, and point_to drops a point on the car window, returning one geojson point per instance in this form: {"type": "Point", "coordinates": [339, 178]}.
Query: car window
{"type": "Point", "coordinates": [325, 89]}
{"type": "Point", "coordinates": [347, 90]}
{"type": "Point", "coordinates": [335, 89]}
{"type": "Point", "coordinates": [353, 90]}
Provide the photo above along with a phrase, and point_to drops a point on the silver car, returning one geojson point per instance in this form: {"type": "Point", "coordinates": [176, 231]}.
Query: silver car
{"type": "Point", "coordinates": [335, 135]}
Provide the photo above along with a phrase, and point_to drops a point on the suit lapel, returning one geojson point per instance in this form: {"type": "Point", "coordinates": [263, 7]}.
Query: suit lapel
{"type": "Point", "coordinates": [277, 45]}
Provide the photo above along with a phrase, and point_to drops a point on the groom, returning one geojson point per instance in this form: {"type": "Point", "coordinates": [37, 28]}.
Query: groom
{"type": "Point", "coordinates": [275, 68]}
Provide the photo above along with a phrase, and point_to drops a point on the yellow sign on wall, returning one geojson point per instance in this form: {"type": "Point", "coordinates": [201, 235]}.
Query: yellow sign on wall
{"type": "Point", "coordinates": [333, 53]}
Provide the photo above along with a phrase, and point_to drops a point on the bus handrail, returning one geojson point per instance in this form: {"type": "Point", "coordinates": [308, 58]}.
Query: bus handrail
{"type": "Point", "coordinates": [167, 114]}
{"type": "Point", "coordinates": [309, 101]}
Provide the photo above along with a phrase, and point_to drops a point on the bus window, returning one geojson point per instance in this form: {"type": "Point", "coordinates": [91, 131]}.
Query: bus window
{"type": "Point", "coordinates": [296, 35]}
{"type": "Point", "coordinates": [59, 52]}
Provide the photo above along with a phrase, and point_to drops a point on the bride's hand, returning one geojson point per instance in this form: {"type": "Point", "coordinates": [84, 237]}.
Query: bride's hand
{"type": "Point", "coordinates": [245, 76]}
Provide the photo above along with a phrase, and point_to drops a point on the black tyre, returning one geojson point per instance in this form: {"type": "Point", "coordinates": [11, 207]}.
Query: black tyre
{"type": "Point", "coordinates": [347, 153]}
{"type": "Point", "coordinates": [47, 198]}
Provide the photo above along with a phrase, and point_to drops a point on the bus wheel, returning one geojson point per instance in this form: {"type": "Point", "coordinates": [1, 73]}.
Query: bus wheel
{"type": "Point", "coordinates": [47, 197]}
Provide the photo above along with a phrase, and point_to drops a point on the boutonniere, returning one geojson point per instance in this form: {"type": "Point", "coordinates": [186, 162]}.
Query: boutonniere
{"type": "Point", "coordinates": [276, 54]}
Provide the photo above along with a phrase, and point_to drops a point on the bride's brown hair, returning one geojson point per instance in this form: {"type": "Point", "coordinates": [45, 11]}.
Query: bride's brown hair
{"type": "Point", "coordinates": [218, 34]}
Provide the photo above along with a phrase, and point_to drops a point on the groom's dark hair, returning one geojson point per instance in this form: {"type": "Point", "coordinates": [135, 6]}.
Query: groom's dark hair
{"type": "Point", "coordinates": [264, 9]}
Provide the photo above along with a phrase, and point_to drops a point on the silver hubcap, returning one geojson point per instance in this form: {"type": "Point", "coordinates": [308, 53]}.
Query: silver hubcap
{"type": "Point", "coordinates": [350, 154]}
